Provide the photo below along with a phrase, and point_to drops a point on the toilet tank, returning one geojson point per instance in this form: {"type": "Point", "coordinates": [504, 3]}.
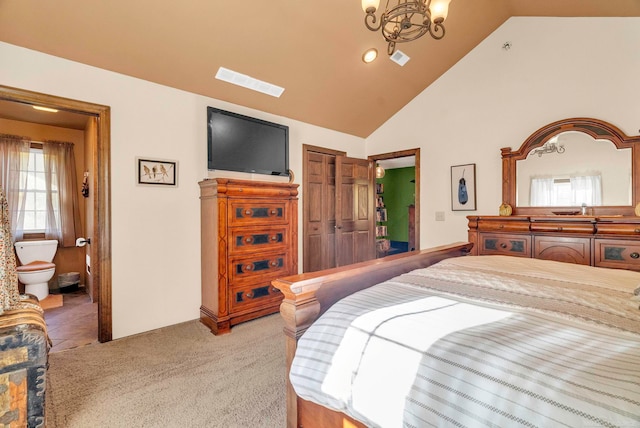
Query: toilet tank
{"type": "Point", "coordinates": [30, 251]}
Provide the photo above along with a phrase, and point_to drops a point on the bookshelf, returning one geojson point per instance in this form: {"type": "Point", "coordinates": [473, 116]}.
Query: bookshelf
{"type": "Point", "coordinates": [382, 237]}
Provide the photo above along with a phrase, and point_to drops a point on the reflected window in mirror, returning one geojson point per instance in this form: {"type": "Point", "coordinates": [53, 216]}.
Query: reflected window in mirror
{"type": "Point", "coordinates": [573, 169]}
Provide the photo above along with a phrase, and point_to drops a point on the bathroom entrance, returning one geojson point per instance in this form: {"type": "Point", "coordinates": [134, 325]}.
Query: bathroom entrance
{"type": "Point", "coordinates": [97, 167]}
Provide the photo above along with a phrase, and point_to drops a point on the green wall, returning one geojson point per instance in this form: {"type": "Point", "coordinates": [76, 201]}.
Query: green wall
{"type": "Point", "coordinates": [398, 194]}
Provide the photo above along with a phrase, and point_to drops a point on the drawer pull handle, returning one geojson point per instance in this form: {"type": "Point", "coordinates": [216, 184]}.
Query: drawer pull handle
{"type": "Point", "coordinates": [247, 240]}
{"type": "Point", "coordinates": [637, 230]}
{"type": "Point", "coordinates": [503, 245]}
{"type": "Point", "coordinates": [247, 212]}
{"type": "Point", "coordinates": [501, 226]}
{"type": "Point", "coordinates": [274, 237]}
{"type": "Point", "coordinates": [249, 295]}
{"type": "Point", "coordinates": [634, 255]}
{"type": "Point", "coordinates": [274, 263]}
{"type": "Point", "coordinates": [275, 290]}
{"type": "Point", "coordinates": [248, 267]}
{"type": "Point", "coordinates": [559, 229]}
{"type": "Point", "coordinates": [274, 212]}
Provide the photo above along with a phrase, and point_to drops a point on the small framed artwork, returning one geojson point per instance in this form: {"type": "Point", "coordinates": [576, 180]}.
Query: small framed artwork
{"type": "Point", "coordinates": [157, 172]}
{"type": "Point", "coordinates": [463, 187]}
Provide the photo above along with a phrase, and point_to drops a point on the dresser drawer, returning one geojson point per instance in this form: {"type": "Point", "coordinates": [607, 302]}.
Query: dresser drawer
{"type": "Point", "coordinates": [246, 212]}
{"type": "Point", "coordinates": [505, 244]}
{"type": "Point", "coordinates": [503, 225]}
{"type": "Point", "coordinates": [627, 229]}
{"type": "Point", "coordinates": [562, 227]}
{"type": "Point", "coordinates": [562, 249]}
{"type": "Point", "coordinates": [614, 253]}
{"type": "Point", "coordinates": [250, 268]}
{"type": "Point", "coordinates": [252, 296]}
{"type": "Point", "coordinates": [254, 239]}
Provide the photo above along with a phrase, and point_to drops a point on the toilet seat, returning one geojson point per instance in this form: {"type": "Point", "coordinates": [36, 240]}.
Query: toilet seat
{"type": "Point", "coordinates": [35, 266]}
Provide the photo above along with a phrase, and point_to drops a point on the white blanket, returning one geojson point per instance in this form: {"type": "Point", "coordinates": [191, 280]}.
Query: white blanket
{"type": "Point", "coordinates": [481, 341]}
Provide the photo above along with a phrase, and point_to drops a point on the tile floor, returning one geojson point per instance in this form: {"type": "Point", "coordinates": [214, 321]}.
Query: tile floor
{"type": "Point", "coordinates": [73, 324]}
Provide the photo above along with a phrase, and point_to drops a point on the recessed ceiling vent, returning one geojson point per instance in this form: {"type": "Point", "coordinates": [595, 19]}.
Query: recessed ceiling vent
{"type": "Point", "coordinates": [399, 57]}
{"type": "Point", "coordinates": [248, 82]}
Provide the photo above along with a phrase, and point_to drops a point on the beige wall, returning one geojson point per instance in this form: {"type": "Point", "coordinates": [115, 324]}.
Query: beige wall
{"type": "Point", "coordinates": [155, 231]}
{"type": "Point", "coordinates": [557, 68]}
{"type": "Point", "coordinates": [66, 259]}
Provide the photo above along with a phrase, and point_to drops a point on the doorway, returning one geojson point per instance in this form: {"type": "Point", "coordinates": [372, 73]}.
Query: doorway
{"type": "Point", "coordinates": [398, 204]}
{"type": "Point", "coordinates": [100, 248]}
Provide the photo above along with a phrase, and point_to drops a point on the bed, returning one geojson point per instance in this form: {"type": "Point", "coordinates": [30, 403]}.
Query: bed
{"type": "Point", "coordinates": [429, 338]}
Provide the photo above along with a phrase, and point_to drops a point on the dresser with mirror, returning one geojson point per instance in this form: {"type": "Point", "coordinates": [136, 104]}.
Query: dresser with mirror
{"type": "Point", "coordinates": [570, 194]}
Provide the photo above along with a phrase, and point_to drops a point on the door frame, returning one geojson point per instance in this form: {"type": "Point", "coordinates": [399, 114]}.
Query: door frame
{"type": "Point", "coordinates": [402, 154]}
{"type": "Point", "coordinates": [101, 242]}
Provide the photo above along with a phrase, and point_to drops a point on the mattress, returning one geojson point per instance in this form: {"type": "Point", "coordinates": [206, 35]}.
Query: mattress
{"type": "Point", "coordinates": [480, 341]}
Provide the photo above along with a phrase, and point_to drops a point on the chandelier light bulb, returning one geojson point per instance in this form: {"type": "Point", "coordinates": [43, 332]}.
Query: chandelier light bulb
{"type": "Point", "coordinates": [439, 10]}
{"type": "Point", "coordinates": [367, 5]}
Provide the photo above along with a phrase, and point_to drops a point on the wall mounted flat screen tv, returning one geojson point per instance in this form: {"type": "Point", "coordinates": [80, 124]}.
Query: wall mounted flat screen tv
{"type": "Point", "coordinates": [246, 144]}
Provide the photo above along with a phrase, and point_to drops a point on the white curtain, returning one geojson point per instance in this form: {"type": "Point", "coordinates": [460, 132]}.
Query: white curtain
{"type": "Point", "coordinates": [14, 157]}
{"type": "Point", "coordinates": [542, 192]}
{"type": "Point", "coordinates": [63, 214]}
{"type": "Point", "coordinates": [586, 190]}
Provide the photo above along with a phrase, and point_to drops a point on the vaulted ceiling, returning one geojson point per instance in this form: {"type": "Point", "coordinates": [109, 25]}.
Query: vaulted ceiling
{"type": "Point", "coordinates": [312, 49]}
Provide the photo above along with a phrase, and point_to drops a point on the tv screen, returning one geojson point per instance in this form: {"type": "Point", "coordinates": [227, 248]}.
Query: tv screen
{"type": "Point", "coordinates": [245, 144]}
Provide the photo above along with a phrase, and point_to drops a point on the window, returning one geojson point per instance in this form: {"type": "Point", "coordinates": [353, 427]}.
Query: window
{"type": "Point", "coordinates": [33, 188]}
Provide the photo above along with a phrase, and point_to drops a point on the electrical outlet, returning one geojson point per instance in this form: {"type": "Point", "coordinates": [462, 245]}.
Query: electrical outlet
{"type": "Point", "coordinates": [439, 215]}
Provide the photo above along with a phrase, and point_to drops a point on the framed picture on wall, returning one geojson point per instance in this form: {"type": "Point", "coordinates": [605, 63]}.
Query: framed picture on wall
{"type": "Point", "coordinates": [463, 187]}
{"type": "Point", "coordinates": [156, 172]}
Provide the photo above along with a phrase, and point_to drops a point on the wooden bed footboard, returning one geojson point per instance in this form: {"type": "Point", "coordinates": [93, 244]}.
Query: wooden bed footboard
{"type": "Point", "coordinates": [309, 295]}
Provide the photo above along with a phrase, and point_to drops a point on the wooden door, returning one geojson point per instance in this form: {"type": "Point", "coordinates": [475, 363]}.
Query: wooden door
{"type": "Point", "coordinates": [354, 218]}
{"type": "Point", "coordinates": [319, 211]}
{"type": "Point", "coordinates": [336, 234]}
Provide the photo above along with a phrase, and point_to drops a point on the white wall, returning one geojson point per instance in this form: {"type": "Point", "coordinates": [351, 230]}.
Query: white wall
{"type": "Point", "coordinates": [557, 68]}
{"type": "Point", "coordinates": [155, 231]}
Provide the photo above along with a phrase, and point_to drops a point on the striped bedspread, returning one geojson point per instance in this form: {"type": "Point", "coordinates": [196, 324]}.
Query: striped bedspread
{"type": "Point", "coordinates": [481, 341]}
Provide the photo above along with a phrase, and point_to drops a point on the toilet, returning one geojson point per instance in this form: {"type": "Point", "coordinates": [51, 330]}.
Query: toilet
{"type": "Point", "coordinates": [37, 267]}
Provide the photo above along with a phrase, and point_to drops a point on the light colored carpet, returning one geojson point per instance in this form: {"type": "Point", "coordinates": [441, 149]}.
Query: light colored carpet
{"type": "Point", "coordinates": [177, 376]}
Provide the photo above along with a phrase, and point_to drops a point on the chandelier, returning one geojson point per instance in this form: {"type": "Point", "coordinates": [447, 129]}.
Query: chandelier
{"type": "Point", "coordinates": [407, 20]}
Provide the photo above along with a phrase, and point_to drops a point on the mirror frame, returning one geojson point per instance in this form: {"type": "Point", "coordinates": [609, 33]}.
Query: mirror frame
{"type": "Point", "coordinates": [597, 129]}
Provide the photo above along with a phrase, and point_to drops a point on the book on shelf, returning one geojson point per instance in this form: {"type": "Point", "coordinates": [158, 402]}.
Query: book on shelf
{"type": "Point", "coordinates": [381, 215]}
{"type": "Point", "coordinates": [383, 245]}
{"type": "Point", "coordinates": [381, 230]}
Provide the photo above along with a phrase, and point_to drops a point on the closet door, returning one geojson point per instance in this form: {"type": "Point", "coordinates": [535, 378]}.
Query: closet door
{"type": "Point", "coordinates": [339, 219]}
{"type": "Point", "coordinates": [354, 213]}
{"type": "Point", "coordinates": [319, 211]}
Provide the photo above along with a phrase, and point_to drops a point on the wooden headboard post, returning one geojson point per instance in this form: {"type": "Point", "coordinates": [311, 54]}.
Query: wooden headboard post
{"type": "Point", "coordinates": [309, 295]}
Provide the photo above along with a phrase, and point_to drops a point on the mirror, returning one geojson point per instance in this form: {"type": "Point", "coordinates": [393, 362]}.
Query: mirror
{"type": "Point", "coordinates": [568, 170]}
{"type": "Point", "coordinates": [569, 163]}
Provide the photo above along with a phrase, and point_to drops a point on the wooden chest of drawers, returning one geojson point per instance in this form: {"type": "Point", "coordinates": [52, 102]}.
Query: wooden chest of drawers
{"type": "Point", "coordinates": [249, 237]}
